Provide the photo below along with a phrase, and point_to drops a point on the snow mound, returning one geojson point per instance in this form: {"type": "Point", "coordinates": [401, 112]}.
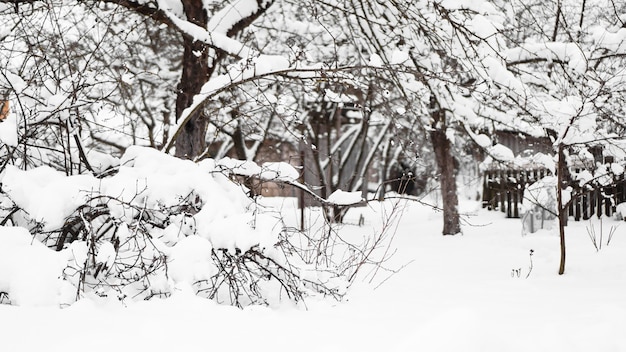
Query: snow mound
{"type": "Point", "coordinates": [158, 223]}
{"type": "Point", "coordinates": [190, 260]}
{"type": "Point", "coordinates": [46, 194]}
{"type": "Point", "coordinates": [29, 271]}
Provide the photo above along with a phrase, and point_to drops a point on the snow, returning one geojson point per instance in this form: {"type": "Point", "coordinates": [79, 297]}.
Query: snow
{"type": "Point", "coordinates": [269, 171]}
{"type": "Point", "coordinates": [233, 13]}
{"type": "Point", "coordinates": [483, 27]}
{"type": "Point", "coordinates": [281, 171]}
{"type": "Point", "coordinates": [482, 140]}
{"type": "Point", "coordinates": [399, 57]}
{"type": "Point", "coordinates": [28, 269]}
{"type": "Point", "coordinates": [212, 209]}
{"type": "Point", "coordinates": [456, 293]}
{"type": "Point", "coordinates": [546, 161]}
{"type": "Point", "coordinates": [240, 167]}
{"type": "Point", "coordinates": [482, 7]}
{"type": "Point", "coordinates": [340, 197]}
{"type": "Point", "coordinates": [583, 177]}
{"type": "Point", "coordinates": [106, 254]}
{"type": "Point", "coordinates": [375, 61]}
{"type": "Point", "coordinates": [584, 154]}
{"type": "Point", "coordinates": [501, 152]}
{"type": "Point", "coordinates": [215, 38]}
{"type": "Point", "coordinates": [573, 118]}
{"type": "Point", "coordinates": [617, 169]}
{"type": "Point", "coordinates": [101, 162]}
{"type": "Point", "coordinates": [569, 53]}
{"type": "Point", "coordinates": [498, 73]}
{"type": "Point", "coordinates": [190, 260]}
{"type": "Point", "coordinates": [258, 66]}
{"type": "Point", "coordinates": [620, 210]}
{"type": "Point", "coordinates": [614, 41]}
{"type": "Point", "coordinates": [240, 231]}
{"type": "Point", "coordinates": [50, 196]}
{"type": "Point", "coordinates": [542, 193]}
{"type": "Point", "coordinates": [339, 98]}
{"type": "Point", "coordinates": [490, 289]}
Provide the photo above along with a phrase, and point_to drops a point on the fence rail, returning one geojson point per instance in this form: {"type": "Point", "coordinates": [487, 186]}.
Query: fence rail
{"type": "Point", "coordinates": [503, 190]}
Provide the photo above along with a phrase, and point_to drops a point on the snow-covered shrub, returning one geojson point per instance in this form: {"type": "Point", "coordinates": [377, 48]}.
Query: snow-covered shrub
{"type": "Point", "coordinates": [156, 224]}
{"type": "Point", "coordinates": [542, 194]}
{"type": "Point", "coordinates": [540, 205]}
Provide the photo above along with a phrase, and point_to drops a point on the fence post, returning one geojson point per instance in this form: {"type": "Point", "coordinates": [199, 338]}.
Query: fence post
{"type": "Point", "coordinates": [502, 190]}
{"type": "Point", "coordinates": [585, 201]}
{"type": "Point", "coordinates": [593, 198]}
{"type": "Point", "coordinates": [577, 208]}
{"type": "Point", "coordinates": [486, 189]}
{"type": "Point", "coordinates": [607, 205]}
{"type": "Point", "coordinates": [515, 213]}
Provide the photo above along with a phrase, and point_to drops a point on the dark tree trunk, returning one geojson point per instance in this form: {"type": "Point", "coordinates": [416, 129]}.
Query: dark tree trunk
{"type": "Point", "coordinates": [196, 72]}
{"type": "Point", "coordinates": [198, 65]}
{"type": "Point", "coordinates": [447, 171]}
{"type": "Point", "coordinates": [561, 208]}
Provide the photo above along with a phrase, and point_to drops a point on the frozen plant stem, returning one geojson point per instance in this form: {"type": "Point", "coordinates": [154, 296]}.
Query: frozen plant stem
{"type": "Point", "coordinates": [591, 231]}
{"type": "Point", "coordinates": [530, 268]}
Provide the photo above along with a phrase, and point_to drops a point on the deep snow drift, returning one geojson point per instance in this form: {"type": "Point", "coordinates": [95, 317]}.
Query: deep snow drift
{"type": "Point", "coordinates": [462, 293]}
{"type": "Point", "coordinates": [155, 224]}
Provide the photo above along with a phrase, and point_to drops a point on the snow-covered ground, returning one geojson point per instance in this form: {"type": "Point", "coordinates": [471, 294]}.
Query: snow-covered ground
{"type": "Point", "coordinates": [462, 293]}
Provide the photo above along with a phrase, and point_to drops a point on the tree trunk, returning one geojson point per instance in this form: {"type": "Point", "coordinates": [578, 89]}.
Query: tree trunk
{"type": "Point", "coordinates": [445, 165]}
{"type": "Point", "coordinates": [442, 147]}
{"type": "Point", "coordinates": [198, 65]}
{"type": "Point", "coordinates": [196, 72]}
{"type": "Point", "coordinates": [561, 208]}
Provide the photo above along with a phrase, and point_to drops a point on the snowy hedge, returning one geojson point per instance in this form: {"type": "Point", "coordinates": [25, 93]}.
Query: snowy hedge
{"type": "Point", "coordinates": [157, 224]}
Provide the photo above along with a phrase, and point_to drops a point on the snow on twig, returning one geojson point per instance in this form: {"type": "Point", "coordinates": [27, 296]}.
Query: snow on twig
{"type": "Point", "coordinates": [286, 174]}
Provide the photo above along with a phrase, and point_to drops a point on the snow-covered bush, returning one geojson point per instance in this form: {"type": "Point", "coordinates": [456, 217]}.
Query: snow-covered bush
{"type": "Point", "coordinates": [542, 194]}
{"type": "Point", "coordinates": [156, 224]}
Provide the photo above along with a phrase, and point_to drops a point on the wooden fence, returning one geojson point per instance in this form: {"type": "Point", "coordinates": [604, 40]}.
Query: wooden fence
{"type": "Point", "coordinates": [504, 190]}
{"type": "Point", "coordinates": [598, 201]}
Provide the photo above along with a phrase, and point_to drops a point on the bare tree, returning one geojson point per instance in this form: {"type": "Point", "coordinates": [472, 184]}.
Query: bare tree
{"type": "Point", "coordinates": [433, 59]}
{"type": "Point", "coordinates": [570, 65]}
{"type": "Point", "coordinates": [206, 42]}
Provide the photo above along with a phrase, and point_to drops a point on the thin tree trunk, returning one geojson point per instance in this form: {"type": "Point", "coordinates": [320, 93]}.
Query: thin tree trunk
{"type": "Point", "coordinates": [555, 32]}
{"type": "Point", "coordinates": [561, 208]}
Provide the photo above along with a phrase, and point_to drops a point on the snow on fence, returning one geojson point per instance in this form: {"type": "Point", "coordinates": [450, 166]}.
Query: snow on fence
{"type": "Point", "coordinates": [598, 201]}
{"type": "Point", "coordinates": [503, 189]}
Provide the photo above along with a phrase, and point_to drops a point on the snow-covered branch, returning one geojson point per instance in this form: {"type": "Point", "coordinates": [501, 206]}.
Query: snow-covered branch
{"type": "Point", "coordinates": [284, 173]}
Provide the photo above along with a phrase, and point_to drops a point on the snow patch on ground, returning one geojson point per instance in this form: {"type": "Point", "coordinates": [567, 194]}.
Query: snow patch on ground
{"type": "Point", "coordinates": [453, 293]}
{"type": "Point", "coordinates": [29, 271]}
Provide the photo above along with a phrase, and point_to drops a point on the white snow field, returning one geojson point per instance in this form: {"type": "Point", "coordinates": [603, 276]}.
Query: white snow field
{"type": "Point", "coordinates": [471, 292]}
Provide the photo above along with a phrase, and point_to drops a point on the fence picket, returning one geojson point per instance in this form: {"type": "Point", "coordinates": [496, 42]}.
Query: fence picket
{"type": "Point", "coordinates": [503, 190]}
